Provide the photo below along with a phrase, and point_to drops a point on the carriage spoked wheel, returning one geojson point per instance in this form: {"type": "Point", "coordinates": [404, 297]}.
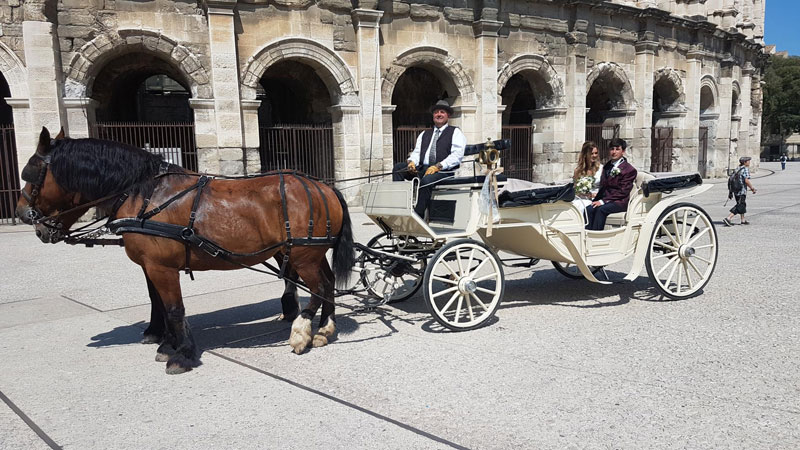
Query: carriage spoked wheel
{"type": "Point", "coordinates": [399, 279]}
{"type": "Point", "coordinates": [682, 252]}
{"type": "Point", "coordinates": [570, 270]}
{"type": "Point", "coordinates": [464, 284]}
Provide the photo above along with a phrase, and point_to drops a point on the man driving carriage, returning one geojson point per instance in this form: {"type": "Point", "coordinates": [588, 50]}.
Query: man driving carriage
{"type": "Point", "coordinates": [437, 150]}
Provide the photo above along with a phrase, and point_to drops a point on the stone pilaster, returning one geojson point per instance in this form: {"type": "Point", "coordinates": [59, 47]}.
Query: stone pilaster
{"type": "Point", "coordinates": [80, 114]}
{"type": "Point", "coordinates": [367, 22]}
{"type": "Point", "coordinates": [43, 62]}
{"type": "Point", "coordinates": [205, 127]}
{"type": "Point", "coordinates": [643, 91]}
{"type": "Point", "coordinates": [575, 90]}
{"type": "Point", "coordinates": [486, 48]}
{"type": "Point", "coordinates": [692, 90]}
{"type": "Point", "coordinates": [388, 137]}
{"type": "Point", "coordinates": [225, 80]}
{"type": "Point", "coordinates": [749, 145]}
{"type": "Point", "coordinates": [251, 136]}
{"type": "Point", "coordinates": [26, 145]}
{"type": "Point", "coordinates": [347, 146]}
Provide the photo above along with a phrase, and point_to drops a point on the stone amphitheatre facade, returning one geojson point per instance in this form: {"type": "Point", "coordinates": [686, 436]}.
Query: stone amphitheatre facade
{"type": "Point", "coordinates": [680, 80]}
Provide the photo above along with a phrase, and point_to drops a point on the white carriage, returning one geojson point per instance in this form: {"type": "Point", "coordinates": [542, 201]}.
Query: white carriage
{"type": "Point", "coordinates": [454, 256]}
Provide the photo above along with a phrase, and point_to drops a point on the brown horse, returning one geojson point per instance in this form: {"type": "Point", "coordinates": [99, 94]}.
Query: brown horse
{"type": "Point", "coordinates": [243, 216]}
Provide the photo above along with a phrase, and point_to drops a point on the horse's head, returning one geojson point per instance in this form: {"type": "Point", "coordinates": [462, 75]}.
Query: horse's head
{"type": "Point", "coordinates": [42, 197]}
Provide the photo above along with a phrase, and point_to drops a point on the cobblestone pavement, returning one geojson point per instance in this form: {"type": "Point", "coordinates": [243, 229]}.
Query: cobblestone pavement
{"type": "Point", "coordinates": [566, 364]}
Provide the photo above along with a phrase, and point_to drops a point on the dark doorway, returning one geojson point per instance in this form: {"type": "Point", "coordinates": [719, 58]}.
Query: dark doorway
{"type": "Point", "coordinates": [520, 101]}
{"type": "Point", "coordinates": [601, 135]}
{"type": "Point", "coordinates": [661, 149]}
{"type": "Point", "coordinates": [144, 102]}
{"type": "Point", "coordinates": [702, 154]}
{"type": "Point", "coordinates": [9, 168]}
{"type": "Point", "coordinates": [415, 92]}
{"type": "Point", "coordinates": [294, 121]}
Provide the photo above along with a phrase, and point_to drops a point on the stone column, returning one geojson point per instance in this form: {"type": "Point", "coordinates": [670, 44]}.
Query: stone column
{"type": "Point", "coordinates": [80, 115]}
{"type": "Point", "coordinates": [724, 148]}
{"type": "Point", "coordinates": [388, 137]}
{"type": "Point", "coordinates": [643, 91]}
{"type": "Point", "coordinates": [23, 133]}
{"type": "Point", "coordinates": [43, 62]}
{"type": "Point", "coordinates": [347, 146]}
{"type": "Point", "coordinates": [575, 91]}
{"type": "Point", "coordinates": [485, 32]}
{"type": "Point", "coordinates": [367, 22]}
{"type": "Point", "coordinates": [749, 145]}
{"type": "Point", "coordinates": [205, 128]}
{"type": "Point", "coordinates": [251, 136]}
{"type": "Point", "coordinates": [225, 80]}
{"type": "Point", "coordinates": [691, 121]}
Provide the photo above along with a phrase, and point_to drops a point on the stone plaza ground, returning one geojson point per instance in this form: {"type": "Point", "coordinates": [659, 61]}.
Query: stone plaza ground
{"type": "Point", "coordinates": [566, 364]}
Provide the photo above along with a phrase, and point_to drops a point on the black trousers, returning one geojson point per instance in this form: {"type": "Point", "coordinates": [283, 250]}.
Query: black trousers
{"type": "Point", "coordinates": [597, 216]}
{"type": "Point", "coordinates": [400, 173]}
{"type": "Point", "coordinates": [741, 205]}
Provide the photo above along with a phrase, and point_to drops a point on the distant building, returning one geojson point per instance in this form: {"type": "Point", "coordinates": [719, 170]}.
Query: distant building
{"type": "Point", "coordinates": [339, 87]}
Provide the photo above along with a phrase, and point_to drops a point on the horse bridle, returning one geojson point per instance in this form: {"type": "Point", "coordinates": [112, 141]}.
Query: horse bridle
{"type": "Point", "coordinates": [33, 213]}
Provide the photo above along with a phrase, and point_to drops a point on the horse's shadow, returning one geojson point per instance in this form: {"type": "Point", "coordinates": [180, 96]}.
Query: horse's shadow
{"type": "Point", "coordinates": [243, 326]}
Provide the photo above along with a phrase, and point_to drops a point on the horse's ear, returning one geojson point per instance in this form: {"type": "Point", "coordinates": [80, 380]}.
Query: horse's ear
{"type": "Point", "coordinates": [61, 134]}
{"type": "Point", "coordinates": [43, 148]}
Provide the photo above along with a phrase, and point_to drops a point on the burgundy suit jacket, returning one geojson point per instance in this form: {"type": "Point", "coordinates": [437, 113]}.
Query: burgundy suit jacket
{"type": "Point", "coordinates": [616, 189]}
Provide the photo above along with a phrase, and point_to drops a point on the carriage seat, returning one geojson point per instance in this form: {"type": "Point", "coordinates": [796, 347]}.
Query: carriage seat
{"type": "Point", "coordinates": [476, 179]}
{"type": "Point", "coordinates": [634, 202]}
{"type": "Point", "coordinates": [549, 194]}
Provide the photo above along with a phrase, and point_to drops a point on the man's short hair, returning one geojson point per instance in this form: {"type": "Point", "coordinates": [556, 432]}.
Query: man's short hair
{"type": "Point", "coordinates": [618, 142]}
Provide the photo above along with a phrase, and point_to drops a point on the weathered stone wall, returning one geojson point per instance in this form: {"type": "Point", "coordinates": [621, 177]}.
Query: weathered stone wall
{"type": "Point", "coordinates": [52, 51]}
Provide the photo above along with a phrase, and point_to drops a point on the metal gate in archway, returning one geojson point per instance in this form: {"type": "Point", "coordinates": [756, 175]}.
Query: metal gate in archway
{"type": "Point", "coordinates": [601, 135]}
{"type": "Point", "coordinates": [661, 150]}
{"type": "Point", "coordinates": [173, 141]}
{"type": "Point", "coordinates": [702, 154]}
{"type": "Point", "coordinates": [9, 174]}
{"type": "Point", "coordinates": [307, 148]}
{"type": "Point", "coordinates": [518, 160]}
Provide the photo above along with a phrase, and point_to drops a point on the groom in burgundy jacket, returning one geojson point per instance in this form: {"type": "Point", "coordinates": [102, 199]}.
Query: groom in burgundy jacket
{"type": "Point", "coordinates": [616, 183]}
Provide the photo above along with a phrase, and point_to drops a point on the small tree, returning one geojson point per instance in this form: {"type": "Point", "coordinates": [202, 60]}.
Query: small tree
{"type": "Point", "coordinates": [781, 110]}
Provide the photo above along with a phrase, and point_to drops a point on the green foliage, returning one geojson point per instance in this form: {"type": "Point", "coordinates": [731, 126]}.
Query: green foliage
{"type": "Point", "coordinates": [781, 108]}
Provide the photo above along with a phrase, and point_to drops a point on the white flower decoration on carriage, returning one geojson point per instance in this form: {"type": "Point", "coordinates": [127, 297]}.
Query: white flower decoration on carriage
{"type": "Point", "coordinates": [584, 185]}
{"type": "Point", "coordinates": [615, 171]}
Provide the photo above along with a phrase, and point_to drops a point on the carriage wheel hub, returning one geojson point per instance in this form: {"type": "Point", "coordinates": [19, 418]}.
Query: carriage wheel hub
{"type": "Point", "coordinates": [467, 285]}
{"type": "Point", "coordinates": [686, 251]}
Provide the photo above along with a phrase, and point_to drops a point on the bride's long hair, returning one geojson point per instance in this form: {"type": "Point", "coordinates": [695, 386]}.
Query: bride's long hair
{"type": "Point", "coordinates": [586, 167]}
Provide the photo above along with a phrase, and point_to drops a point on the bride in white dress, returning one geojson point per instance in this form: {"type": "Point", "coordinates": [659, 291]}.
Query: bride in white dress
{"type": "Point", "coordinates": [586, 176]}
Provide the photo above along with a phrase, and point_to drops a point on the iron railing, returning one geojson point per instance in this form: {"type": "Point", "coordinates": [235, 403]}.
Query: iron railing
{"type": "Point", "coordinates": [174, 141]}
{"type": "Point", "coordinates": [595, 133]}
{"type": "Point", "coordinates": [404, 139]}
{"type": "Point", "coordinates": [661, 145]}
{"type": "Point", "coordinates": [9, 175]}
{"type": "Point", "coordinates": [307, 148]}
{"type": "Point", "coordinates": [518, 160]}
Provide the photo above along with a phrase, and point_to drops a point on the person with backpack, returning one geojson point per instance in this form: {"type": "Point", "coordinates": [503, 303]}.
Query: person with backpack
{"type": "Point", "coordinates": [738, 183]}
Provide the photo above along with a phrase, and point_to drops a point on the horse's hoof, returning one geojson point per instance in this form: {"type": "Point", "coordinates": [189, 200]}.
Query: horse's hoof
{"type": "Point", "coordinates": [162, 357]}
{"type": "Point", "coordinates": [319, 341]}
{"type": "Point", "coordinates": [301, 334]}
{"type": "Point", "coordinates": [151, 339]}
{"type": "Point", "coordinates": [179, 364]}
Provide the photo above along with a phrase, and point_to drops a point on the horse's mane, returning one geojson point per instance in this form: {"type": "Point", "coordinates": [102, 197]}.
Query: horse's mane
{"type": "Point", "coordinates": [96, 168]}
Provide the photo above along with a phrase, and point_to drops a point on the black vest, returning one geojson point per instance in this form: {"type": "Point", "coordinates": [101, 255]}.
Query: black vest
{"type": "Point", "coordinates": [442, 145]}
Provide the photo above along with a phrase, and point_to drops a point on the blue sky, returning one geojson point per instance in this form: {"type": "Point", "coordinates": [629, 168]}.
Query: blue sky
{"type": "Point", "coordinates": [782, 27]}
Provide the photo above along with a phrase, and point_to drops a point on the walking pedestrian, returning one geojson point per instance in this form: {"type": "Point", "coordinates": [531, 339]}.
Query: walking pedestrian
{"type": "Point", "coordinates": [742, 176]}
{"type": "Point", "coordinates": [783, 161]}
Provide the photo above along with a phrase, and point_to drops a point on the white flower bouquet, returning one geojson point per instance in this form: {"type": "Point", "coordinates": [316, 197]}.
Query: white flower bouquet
{"type": "Point", "coordinates": [615, 171]}
{"type": "Point", "coordinates": [584, 185]}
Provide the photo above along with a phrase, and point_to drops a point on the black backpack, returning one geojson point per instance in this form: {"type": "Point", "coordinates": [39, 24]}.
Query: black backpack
{"type": "Point", "coordinates": [735, 183]}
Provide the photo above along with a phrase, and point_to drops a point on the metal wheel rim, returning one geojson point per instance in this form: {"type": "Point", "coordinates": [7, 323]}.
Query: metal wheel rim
{"type": "Point", "coordinates": [409, 283]}
{"type": "Point", "coordinates": [451, 295]}
{"type": "Point", "coordinates": [683, 251]}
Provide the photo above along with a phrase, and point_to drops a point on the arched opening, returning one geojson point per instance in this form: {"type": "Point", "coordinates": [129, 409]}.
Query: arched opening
{"type": "Point", "coordinates": [294, 120]}
{"type": "Point", "coordinates": [415, 92]}
{"type": "Point", "coordinates": [143, 100]}
{"type": "Point", "coordinates": [666, 106]}
{"type": "Point", "coordinates": [604, 103]}
{"type": "Point", "coordinates": [708, 129]}
{"type": "Point", "coordinates": [9, 167]}
{"type": "Point", "coordinates": [519, 99]}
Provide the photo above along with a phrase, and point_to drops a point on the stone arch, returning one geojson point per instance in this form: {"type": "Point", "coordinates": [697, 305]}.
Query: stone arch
{"type": "Point", "coordinates": [548, 86]}
{"type": "Point", "coordinates": [328, 66]}
{"type": "Point", "coordinates": [14, 72]}
{"type": "Point", "coordinates": [95, 54]}
{"type": "Point", "coordinates": [450, 71]}
{"type": "Point", "coordinates": [709, 95]}
{"type": "Point", "coordinates": [668, 86]}
{"type": "Point", "coordinates": [736, 92]}
{"type": "Point", "coordinates": [615, 82]}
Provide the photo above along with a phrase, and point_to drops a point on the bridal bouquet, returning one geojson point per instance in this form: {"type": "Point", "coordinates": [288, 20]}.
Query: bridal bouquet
{"type": "Point", "coordinates": [584, 185]}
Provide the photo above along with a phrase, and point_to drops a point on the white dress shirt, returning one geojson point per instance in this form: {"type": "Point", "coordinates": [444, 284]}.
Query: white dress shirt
{"type": "Point", "coordinates": [458, 144]}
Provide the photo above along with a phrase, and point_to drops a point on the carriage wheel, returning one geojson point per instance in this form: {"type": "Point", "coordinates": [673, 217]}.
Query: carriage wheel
{"type": "Point", "coordinates": [402, 279]}
{"type": "Point", "coordinates": [570, 270]}
{"type": "Point", "coordinates": [463, 285]}
{"type": "Point", "coordinates": [682, 252]}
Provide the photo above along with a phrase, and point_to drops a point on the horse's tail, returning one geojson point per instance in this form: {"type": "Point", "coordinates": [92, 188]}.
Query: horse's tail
{"type": "Point", "coordinates": [344, 254]}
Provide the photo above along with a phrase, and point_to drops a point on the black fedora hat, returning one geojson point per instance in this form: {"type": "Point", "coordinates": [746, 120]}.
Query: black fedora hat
{"type": "Point", "coordinates": [442, 104]}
